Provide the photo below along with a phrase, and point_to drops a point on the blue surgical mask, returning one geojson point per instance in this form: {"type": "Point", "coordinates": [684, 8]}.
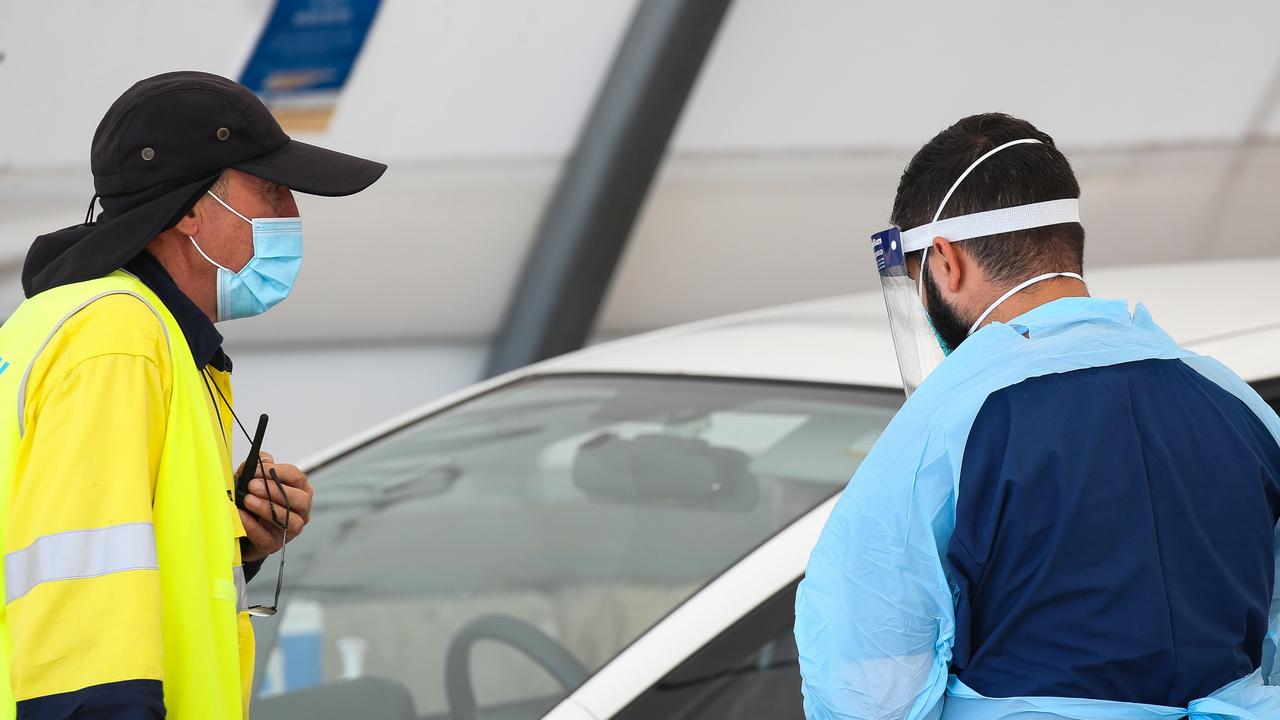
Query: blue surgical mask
{"type": "Point", "coordinates": [269, 275]}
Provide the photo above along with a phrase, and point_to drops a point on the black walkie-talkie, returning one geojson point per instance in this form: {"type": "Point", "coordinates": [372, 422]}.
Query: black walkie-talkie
{"type": "Point", "coordinates": [251, 464]}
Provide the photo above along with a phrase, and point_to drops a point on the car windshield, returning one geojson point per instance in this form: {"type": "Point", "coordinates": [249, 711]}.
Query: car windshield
{"type": "Point", "coordinates": [486, 560]}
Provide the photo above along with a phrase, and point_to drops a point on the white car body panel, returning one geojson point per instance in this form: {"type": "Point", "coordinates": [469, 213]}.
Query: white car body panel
{"type": "Point", "coordinates": [1226, 309]}
{"type": "Point", "coordinates": [1214, 308]}
{"type": "Point", "coordinates": [569, 710]}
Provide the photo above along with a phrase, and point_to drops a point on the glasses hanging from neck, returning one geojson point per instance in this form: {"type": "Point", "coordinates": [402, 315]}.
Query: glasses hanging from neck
{"type": "Point", "coordinates": [248, 470]}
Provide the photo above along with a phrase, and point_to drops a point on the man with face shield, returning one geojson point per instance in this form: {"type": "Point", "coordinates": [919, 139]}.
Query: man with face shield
{"type": "Point", "coordinates": [1071, 517]}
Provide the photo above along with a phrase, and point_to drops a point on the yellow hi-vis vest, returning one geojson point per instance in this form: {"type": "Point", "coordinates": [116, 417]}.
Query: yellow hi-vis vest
{"type": "Point", "coordinates": [191, 544]}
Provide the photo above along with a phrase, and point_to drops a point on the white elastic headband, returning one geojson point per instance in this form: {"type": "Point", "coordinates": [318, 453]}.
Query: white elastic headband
{"type": "Point", "coordinates": [992, 222]}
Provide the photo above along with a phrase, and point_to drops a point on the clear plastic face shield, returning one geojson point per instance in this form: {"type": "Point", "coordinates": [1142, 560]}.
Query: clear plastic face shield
{"type": "Point", "coordinates": [914, 341]}
{"type": "Point", "coordinates": [917, 344]}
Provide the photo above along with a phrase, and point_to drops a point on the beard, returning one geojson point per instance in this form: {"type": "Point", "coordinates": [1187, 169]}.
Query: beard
{"type": "Point", "coordinates": [946, 319]}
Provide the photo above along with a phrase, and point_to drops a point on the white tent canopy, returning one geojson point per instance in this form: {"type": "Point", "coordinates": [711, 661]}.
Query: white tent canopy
{"type": "Point", "coordinates": [785, 161]}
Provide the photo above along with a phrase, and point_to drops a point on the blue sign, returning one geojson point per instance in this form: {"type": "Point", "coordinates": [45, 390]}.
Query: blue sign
{"type": "Point", "coordinates": [308, 48]}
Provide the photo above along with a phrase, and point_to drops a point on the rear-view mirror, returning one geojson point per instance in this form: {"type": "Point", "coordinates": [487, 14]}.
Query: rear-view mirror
{"type": "Point", "coordinates": [665, 470]}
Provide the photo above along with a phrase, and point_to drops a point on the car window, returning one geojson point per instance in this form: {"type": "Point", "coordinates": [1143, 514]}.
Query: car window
{"type": "Point", "coordinates": [486, 560]}
{"type": "Point", "coordinates": [750, 670]}
{"type": "Point", "coordinates": [1270, 391]}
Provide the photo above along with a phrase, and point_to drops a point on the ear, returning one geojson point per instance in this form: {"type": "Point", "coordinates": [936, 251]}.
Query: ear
{"type": "Point", "coordinates": [948, 265]}
{"type": "Point", "coordinates": [189, 223]}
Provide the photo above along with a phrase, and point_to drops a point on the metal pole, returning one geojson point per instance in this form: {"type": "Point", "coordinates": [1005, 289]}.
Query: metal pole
{"type": "Point", "coordinates": [586, 225]}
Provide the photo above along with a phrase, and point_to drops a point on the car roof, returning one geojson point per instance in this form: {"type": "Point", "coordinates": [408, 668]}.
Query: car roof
{"type": "Point", "coordinates": [1225, 309]}
{"type": "Point", "coordinates": [1222, 309]}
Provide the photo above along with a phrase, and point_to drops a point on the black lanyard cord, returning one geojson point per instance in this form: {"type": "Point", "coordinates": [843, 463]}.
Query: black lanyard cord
{"type": "Point", "coordinates": [210, 387]}
{"type": "Point", "coordinates": [226, 441]}
{"type": "Point", "coordinates": [230, 409]}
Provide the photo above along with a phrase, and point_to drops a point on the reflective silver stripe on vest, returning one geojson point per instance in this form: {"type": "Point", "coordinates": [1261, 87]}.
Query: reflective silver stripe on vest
{"type": "Point", "coordinates": [79, 554]}
{"type": "Point", "coordinates": [26, 376]}
{"type": "Point", "coordinates": [242, 589]}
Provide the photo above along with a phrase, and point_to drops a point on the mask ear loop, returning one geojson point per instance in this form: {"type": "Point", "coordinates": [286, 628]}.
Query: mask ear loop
{"type": "Point", "coordinates": [204, 255]}
{"type": "Point", "coordinates": [200, 250]}
{"type": "Point", "coordinates": [942, 205]}
{"type": "Point", "coordinates": [224, 204]}
{"type": "Point", "coordinates": [1017, 289]}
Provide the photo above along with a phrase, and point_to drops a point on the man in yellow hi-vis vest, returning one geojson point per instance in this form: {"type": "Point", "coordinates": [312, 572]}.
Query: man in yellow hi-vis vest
{"type": "Point", "coordinates": [127, 538]}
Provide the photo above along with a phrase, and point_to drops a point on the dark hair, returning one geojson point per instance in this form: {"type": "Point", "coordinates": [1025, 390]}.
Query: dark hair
{"type": "Point", "coordinates": [1018, 175]}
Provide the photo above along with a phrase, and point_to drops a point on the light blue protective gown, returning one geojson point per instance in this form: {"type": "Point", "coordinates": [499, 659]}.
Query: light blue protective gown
{"type": "Point", "coordinates": [875, 619]}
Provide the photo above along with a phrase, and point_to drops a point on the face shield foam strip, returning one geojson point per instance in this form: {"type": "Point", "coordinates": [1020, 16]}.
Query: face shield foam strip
{"type": "Point", "coordinates": [992, 222]}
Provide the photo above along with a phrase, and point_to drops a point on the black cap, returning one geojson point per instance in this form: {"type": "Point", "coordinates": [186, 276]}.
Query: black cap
{"type": "Point", "coordinates": [159, 147]}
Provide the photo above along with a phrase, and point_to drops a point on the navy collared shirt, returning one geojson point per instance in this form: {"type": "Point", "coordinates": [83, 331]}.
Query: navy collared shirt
{"type": "Point", "coordinates": [202, 337]}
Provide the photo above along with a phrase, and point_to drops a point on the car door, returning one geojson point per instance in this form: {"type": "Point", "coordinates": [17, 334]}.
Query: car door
{"type": "Point", "coordinates": [749, 670]}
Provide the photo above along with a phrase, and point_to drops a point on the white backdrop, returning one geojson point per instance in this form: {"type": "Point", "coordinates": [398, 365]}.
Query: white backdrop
{"type": "Point", "coordinates": [785, 161]}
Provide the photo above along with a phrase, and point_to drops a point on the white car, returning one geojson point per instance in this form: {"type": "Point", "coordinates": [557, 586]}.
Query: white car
{"type": "Point", "coordinates": [619, 532]}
